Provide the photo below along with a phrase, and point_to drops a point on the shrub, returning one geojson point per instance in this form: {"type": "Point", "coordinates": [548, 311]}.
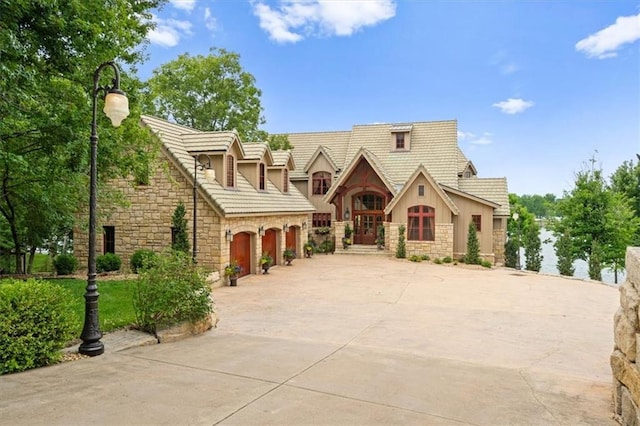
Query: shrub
{"type": "Point", "coordinates": [180, 240]}
{"type": "Point", "coordinates": [425, 257]}
{"type": "Point", "coordinates": [65, 264]}
{"type": "Point", "coordinates": [415, 258]}
{"type": "Point", "coordinates": [401, 250]}
{"type": "Point", "coordinates": [447, 259]}
{"type": "Point", "coordinates": [437, 261]}
{"type": "Point", "coordinates": [36, 320]}
{"type": "Point", "coordinates": [141, 259]}
{"type": "Point", "coordinates": [108, 262]}
{"type": "Point", "coordinates": [486, 263]}
{"type": "Point", "coordinates": [473, 246]}
{"type": "Point", "coordinates": [462, 259]}
{"type": "Point", "coordinates": [171, 291]}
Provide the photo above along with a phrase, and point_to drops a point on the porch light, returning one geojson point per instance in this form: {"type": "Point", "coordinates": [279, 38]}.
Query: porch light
{"type": "Point", "coordinates": [347, 214]}
{"type": "Point", "coordinates": [285, 227]}
{"type": "Point", "coordinates": [229, 235]}
{"type": "Point", "coordinates": [261, 231]}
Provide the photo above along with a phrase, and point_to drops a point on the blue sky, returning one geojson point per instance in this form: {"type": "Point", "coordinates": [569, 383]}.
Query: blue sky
{"type": "Point", "coordinates": [538, 88]}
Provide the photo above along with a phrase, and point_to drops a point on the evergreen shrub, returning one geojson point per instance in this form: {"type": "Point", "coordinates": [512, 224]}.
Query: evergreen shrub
{"type": "Point", "coordinates": [36, 320]}
{"type": "Point", "coordinates": [108, 262]}
{"type": "Point", "coordinates": [65, 264]}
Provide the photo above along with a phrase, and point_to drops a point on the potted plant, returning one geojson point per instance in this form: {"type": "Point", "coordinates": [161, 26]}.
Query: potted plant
{"type": "Point", "coordinates": [346, 240]}
{"type": "Point", "coordinates": [308, 249]}
{"type": "Point", "coordinates": [289, 255]}
{"type": "Point", "coordinates": [265, 262]}
{"type": "Point", "coordinates": [231, 271]}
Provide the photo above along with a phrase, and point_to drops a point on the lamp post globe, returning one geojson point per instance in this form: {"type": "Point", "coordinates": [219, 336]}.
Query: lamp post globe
{"type": "Point", "coordinates": [117, 109]}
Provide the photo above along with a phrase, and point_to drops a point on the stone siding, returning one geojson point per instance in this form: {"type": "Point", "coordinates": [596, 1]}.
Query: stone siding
{"type": "Point", "coordinates": [499, 240]}
{"type": "Point", "coordinates": [145, 223]}
{"type": "Point", "coordinates": [626, 356]}
{"type": "Point", "coordinates": [438, 249]}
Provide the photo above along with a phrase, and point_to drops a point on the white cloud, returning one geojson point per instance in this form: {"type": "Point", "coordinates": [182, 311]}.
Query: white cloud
{"type": "Point", "coordinates": [606, 42]}
{"type": "Point", "coordinates": [168, 32]}
{"type": "Point", "coordinates": [292, 20]}
{"type": "Point", "coordinates": [474, 139]}
{"type": "Point", "coordinates": [513, 106]}
{"type": "Point", "coordinates": [463, 136]}
{"type": "Point", "coordinates": [187, 5]}
{"type": "Point", "coordinates": [209, 20]}
{"type": "Point", "coordinates": [509, 68]}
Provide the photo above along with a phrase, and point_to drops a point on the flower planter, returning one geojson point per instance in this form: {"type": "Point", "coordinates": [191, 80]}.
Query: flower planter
{"type": "Point", "coordinates": [233, 281]}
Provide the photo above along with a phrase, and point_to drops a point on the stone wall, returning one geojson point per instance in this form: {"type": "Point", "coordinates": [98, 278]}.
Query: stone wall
{"type": "Point", "coordinates": [440, 248]}
{"type": "Point", "coordinates": [625, 357]}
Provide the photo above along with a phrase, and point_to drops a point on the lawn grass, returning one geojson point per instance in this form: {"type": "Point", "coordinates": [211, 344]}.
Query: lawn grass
{"type": "Point", "coordinates": [114, 304]}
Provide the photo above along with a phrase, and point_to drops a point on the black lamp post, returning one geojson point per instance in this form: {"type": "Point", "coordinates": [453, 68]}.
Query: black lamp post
{"type": "Point", "coordinates": [116, 107]}
{"type": "Point", "coordinates": [197, 165]}
{"type": "Point", "coordinates": [516, 216]}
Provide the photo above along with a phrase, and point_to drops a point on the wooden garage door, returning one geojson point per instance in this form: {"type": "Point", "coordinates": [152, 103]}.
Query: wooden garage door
{"type": "Point", "coordinates": [270, 245]}
{"type": "Point", "coordinates": [241, 251]}
{"type": "Point", "coordinates": [292, 238]}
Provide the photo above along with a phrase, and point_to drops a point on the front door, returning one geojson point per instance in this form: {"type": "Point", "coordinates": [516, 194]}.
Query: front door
{"type": "Point", "coordinates": [241, 252]}
{"type": "Point", "coordinates": [368, 213]}
{"type": "Point", "coordinates": [291, 238]}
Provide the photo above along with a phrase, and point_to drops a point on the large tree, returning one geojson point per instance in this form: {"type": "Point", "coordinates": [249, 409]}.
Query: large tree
{"type": "Point", "coordinates": [626, 180]}
{"type": "Point", "coordinates": [208, 93]}
{"type": "Point", "coordinates": [597, 219]}
{"type": "Point", "coordinates": [49, 51]}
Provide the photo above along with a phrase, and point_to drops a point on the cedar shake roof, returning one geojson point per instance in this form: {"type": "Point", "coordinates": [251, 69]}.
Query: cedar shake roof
{"type": "Point", "coordinates": [179, 142]}
{"type": "Point", "coordinates": [306, 144]}
{"type": "Point", "coordinates": [492, 189]}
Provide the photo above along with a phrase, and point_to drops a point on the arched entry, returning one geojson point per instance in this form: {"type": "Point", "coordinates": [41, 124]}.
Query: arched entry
{"type": "Point", "coordinates": [270, 244]}
{"type": "Point", "coordinates": [241, 251]}
{"type": "Point", "coordinates": [291, 238]}
{"type": "Point", "coordinates": [368, 213]}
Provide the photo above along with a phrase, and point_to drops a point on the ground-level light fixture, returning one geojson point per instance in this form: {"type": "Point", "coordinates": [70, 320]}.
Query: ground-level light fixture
{"type": "Point", "coordinates": [116, 107]}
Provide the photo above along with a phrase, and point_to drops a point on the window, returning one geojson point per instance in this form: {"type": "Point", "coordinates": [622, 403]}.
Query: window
{"type": "Point", "coordinates": [231, 172]}
{"type": "Point", "coordinates": [422, 224]}
{"type": "Point", "coordinates": [467, 174]}
{"type": "Point", "coordinates": [285, 184]}
{"type": "Point", "coordinates": [321, 220]}
{"type": "Point", "coordinates": [399, 140]}
{"type": "Point", "coordinates": [321, 183]}
{"type": "Point", "coordinates": [368, 202]}
{"type": "Point", "coordinates": [477, 220]}
{"type": "Point", "coordinates": [263, 182]}
{"type": "Point", "coordinates": [109, 240]}
{"type": "Point", "coordinates": [420, 190]}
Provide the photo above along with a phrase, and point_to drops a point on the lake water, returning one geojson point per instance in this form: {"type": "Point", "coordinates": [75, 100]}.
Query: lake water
{"type": "Point", "coordinates": [581, 268]}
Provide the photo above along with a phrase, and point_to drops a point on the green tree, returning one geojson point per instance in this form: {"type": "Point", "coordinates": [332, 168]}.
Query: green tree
{"type": "Point", "coordinates": [510, 252]}
{"type": "Point", "coordinates": [472, 256]}
{"type": "Point", "coordinates": [622, 229]}
{"type": "Point", "coordinates": [279, 142]}
{"type": "Point", "coordinates": [180, 238]}
{"type": "Point", "coordinates": [401, 250]}
{"type": "Point", "coordinates": [595, 264]}
{"type": "Point", "coordinates": [626, 180]}
{"type": "Point", "coordinates": [208, 93]}
{"type": "Point", "coordinates": [49, 53]}
{"type": "Point", "coordinates": [533, 248]}
{"type": "Point", "coordinates": [564, 253]}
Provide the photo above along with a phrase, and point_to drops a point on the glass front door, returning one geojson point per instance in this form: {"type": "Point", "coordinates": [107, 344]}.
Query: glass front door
{"type": "Point", "coordinates": [368, 213]}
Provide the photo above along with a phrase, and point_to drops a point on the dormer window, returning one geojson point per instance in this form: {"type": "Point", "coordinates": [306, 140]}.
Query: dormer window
{"type": "Point", "coordinates": [231, 172]}
{"type": "Point", "coordinates": [401, 137]}
{"type": "Point", "coordinates": [285, 184]}
{"type": "Point", "coordinates": [262, 178]}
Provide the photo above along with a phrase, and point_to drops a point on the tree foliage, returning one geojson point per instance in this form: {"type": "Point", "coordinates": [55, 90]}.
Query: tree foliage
{"type": "Point", "coordinates": [49, 52]}
{"type": "Point", "coordinates": [600, 221]}
{"type": "Point", "coordinates": [401, 250]}
{"type": "Point", "coordinates": [626, 180]}
{"type": "Point", "coordinates": [180, 238]}
{"type": "Point", "coordinates": [564, 253]}
{"type": "Point", "coordinates": [533, 248]}
{"type": "Point", "coordinates": [208, 93]}
{"type": "Point", "coordinates": [472, 256]}
{"type": "Point", "coordinates": [538, 205]}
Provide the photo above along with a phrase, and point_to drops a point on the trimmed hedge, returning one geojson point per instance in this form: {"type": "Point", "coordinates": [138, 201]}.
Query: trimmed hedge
{"type": "Point", "coordinates": [36, 320]}
{"type": "Point", "coordinates": [108, 262]}
{"type": "Point", "coordinates": [65, 264]}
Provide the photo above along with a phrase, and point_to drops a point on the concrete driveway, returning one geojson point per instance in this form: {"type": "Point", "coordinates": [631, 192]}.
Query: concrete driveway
{"type": "Point", "coordinates": [355, 340]}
